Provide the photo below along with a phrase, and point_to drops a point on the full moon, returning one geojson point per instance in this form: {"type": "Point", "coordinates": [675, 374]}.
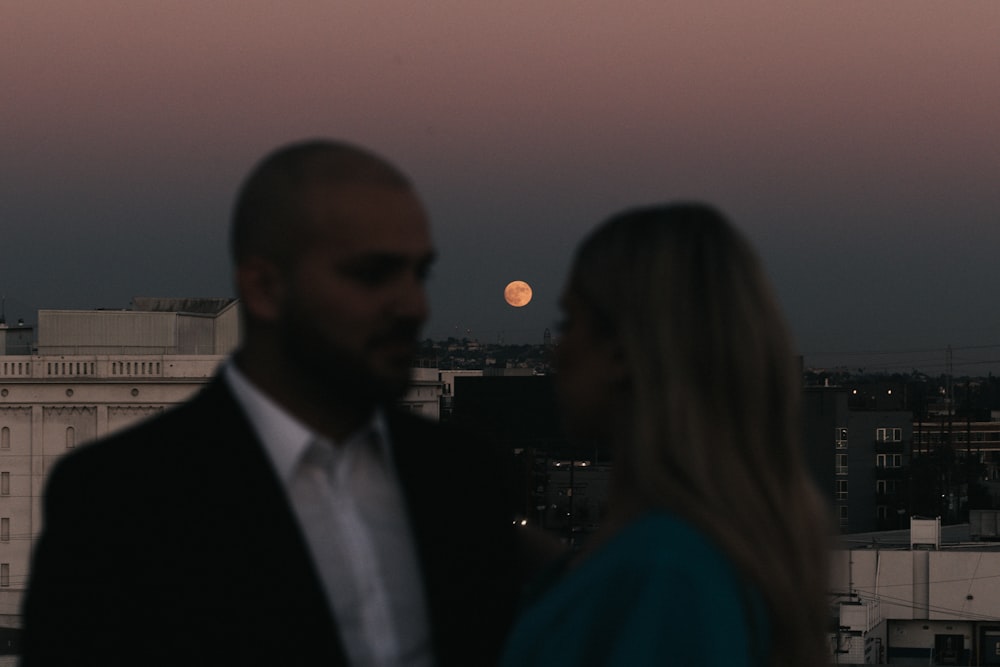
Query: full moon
{"type": "Point", "coordinates": [517, 293]}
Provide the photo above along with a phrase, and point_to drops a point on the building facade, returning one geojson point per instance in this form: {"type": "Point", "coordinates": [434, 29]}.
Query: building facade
{"type": "Point", "coordinates": [859, 459]}
{"type": "Point", "coordinates": [915, 597]}
{"type": "Point", "coordinates": [90, 374]}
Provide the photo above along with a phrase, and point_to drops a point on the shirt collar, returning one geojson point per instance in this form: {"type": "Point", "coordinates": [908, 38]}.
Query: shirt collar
{"type": "Point", "coordinates": [285, 438]}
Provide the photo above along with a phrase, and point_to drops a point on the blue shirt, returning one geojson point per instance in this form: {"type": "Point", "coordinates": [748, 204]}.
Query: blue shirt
{"type": "Point", "coordinates": [657, 593]}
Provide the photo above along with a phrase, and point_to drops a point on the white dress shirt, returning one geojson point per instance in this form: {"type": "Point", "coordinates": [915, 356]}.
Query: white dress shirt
{"type": "Point", "coordinates": [352, 512]}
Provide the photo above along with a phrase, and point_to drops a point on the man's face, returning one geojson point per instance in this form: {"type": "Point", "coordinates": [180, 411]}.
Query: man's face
{"type": "Point", "coordinates": [354, 300]}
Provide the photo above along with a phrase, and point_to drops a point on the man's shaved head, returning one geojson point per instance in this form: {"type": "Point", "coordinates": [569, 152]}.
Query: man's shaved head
{"type": "Point", "coordinates": [269, 213]}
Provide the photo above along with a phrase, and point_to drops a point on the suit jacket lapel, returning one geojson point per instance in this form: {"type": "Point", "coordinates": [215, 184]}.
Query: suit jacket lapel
{"type": "Point", "coordinates": [240, 468]}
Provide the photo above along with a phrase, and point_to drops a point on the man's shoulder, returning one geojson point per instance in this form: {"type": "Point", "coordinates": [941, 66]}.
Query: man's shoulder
{"type": "Point", "coordinates": [154, 440]}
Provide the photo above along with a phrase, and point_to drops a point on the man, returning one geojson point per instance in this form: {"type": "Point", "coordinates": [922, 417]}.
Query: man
{"type": "Point", "coordinates": [287, 514]}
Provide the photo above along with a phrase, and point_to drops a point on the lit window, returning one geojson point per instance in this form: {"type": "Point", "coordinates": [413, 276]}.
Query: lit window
{"type": "Point", "coordinates": [889, 434]}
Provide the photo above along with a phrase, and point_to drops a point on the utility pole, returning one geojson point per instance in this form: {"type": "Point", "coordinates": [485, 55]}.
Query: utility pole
{"type": "Point", "coordinates": [949, 403]}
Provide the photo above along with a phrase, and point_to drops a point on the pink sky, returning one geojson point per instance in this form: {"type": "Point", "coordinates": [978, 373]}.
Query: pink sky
{"type": "Point", "coordinates": [864, 130]}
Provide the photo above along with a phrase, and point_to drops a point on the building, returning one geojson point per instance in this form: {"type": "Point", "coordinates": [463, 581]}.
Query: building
{"type": "Point", "coordinates": [447, 378]}
{"type": "Point", "coordinates": [859, 459]}
{"type": "Point", "coordinates": [825, 436]}
{"type": "Point", "coordinates": [16, 340]}
{"type": "Point", "coordinates": [92, 373]}
{"type": "Point", "coordinates": [966, 456]}
{"type": "Point", "coordinates": [152, 327]}
{"type": "Point", "coordinates": [889, 434]}
{"type": "Point", "coordinates": [424, 397]}
{"type": "Point", "coordinates": [924, 596]}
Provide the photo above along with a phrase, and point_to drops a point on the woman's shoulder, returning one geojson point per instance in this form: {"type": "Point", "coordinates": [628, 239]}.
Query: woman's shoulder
{"type": "Point", "coordinates": [659, 538]}
{"type": "Point", "coordinates": [683, 575]}
{"type": "Point", "coordinates": [660, 560]}
{"type": "Point", "coordinates": [658, 586]}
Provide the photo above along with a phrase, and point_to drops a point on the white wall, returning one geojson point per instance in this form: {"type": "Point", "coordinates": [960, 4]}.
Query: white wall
{"type": "Point", "coordinates": [954, 584]}
{"type": "Point", "coordinates": [60, 403]}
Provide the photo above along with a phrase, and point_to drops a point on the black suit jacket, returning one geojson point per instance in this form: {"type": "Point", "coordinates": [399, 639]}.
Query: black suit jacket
{"type": "Point", "coordinates": [173, 543]}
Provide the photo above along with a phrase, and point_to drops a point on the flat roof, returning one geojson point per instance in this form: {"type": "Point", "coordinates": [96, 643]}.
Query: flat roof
{"type": "Point", "coordinates": [953, 538]}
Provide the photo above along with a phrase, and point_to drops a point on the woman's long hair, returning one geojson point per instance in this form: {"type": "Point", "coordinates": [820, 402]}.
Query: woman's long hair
{"type": "Point", "coordinates": [714, 392]}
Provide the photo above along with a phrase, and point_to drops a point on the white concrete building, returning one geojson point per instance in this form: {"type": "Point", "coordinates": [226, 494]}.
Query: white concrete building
{"type": "Point", "coordinates": [424, 395]}
{"type": "Point", "coordinates": [92, 373]}
{"type": "Point", "coordinates": [915, 597]}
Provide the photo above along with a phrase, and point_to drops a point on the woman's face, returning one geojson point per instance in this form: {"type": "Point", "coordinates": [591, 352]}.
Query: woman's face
{"type": "Point", "coordinates": [589, 370]}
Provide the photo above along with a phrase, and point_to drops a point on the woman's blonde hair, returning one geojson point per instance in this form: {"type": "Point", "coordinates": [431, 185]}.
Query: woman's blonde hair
{"type": "Point", "coordinates": [713, 391]}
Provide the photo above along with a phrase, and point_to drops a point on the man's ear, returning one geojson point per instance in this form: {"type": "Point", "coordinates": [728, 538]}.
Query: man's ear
{"type": "Point", "coordinates": [261, 286]}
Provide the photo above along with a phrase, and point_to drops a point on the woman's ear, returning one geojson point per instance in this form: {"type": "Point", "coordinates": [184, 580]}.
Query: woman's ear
{"type": "Point", "coordinates": [261, 286]}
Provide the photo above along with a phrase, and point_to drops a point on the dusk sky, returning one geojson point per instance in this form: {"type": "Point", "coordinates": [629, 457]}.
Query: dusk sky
{"type": "Point", "coordinates": [857, 144]}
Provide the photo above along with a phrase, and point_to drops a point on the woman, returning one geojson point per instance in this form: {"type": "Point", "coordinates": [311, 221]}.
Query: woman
{"type": "Point", "coordinates": [713, 550]}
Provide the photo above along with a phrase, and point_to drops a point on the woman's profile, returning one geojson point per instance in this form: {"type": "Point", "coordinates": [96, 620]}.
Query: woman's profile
{"type": "Point", "coordinates": [713, 550]}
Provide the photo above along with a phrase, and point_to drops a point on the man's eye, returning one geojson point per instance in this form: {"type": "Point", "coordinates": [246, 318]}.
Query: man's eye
{"type": "Point", "coordinates": [425, 273]}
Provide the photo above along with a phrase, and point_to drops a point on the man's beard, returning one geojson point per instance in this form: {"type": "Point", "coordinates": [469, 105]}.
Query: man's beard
{"type": "Point", "coordinates": [346, 376]}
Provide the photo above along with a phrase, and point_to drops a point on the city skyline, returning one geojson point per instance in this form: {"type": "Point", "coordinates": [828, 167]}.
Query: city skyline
{"type": "Point", "coordinates": [855, 145]}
